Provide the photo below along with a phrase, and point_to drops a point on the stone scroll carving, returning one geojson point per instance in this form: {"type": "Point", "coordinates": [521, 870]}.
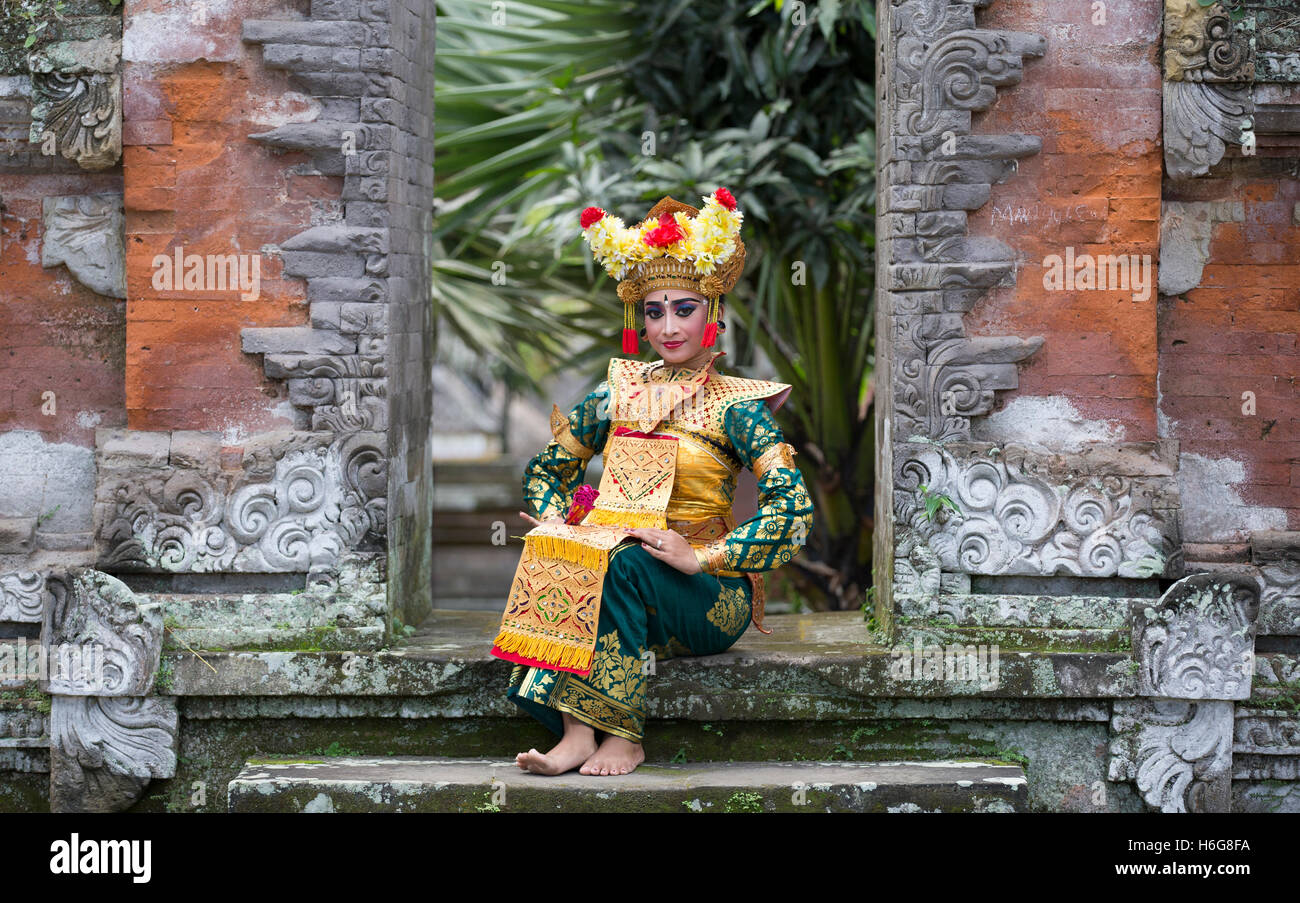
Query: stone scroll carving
{"type": "Point", "coordinates": [104, 751]}
{"type": "Point", "coordinates": [115, 637]}
{"type": "Point", "coordinates": [1198, 640]}
{"type": "Point", "coordinates": [1178, 753]}
{"type": "Point", "coordinates": [1024, 512]}
{"type": "Point", "coordinates": [300, 502]}
{"type": "Point", "coordinates": [22, 596]}
{"type": "Point", "coordinates": [77, 98]}
{"type": "Point", "coordinates": [1216, 58]}
{"type": "Point", "coordinates": [1277, 555]}
{"type": "Point", "coordinates": [108, 736]}
{"type": "Point", "coordinates": [1195, 651]}
{"type": "Point", "coordinates": [1200, 121]}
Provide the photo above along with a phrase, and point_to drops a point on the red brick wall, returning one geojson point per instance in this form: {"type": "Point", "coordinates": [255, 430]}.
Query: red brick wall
{"type": "Point", "coordinates": [1236, 333]}
{"type": "Point", "coordinates": [57, 335]}
{"type": "Point", "coordinates": [1094, 100]}
{"type": "Point", "coordinates": [193, 180]}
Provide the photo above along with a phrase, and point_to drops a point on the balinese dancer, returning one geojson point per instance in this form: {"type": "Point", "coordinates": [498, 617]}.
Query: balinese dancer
{"type": "Point", "coordinates": [651, 564]}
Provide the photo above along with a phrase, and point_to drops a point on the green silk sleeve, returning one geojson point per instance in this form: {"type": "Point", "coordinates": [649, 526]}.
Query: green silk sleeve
{"type": "Point", "coordinates": [556, 472]}
{"type": "Point", "coordinates": [780, 528]}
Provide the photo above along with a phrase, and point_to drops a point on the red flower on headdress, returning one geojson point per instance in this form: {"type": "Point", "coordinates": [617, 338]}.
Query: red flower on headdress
{"type": "Point", "coordinates": [667, 232]}
{"type": "Point", "coordinates": [591, 215]}
{"type": "Point", "coordinates": [725, 198]}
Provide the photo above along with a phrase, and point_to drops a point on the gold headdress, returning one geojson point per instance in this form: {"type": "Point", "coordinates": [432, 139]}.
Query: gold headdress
{"type": "Point", "coordinates": [675, 246]}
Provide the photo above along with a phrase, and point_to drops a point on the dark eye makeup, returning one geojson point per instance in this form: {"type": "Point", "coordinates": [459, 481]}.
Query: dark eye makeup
{"type": "Point", "coordinates": [683, 306]}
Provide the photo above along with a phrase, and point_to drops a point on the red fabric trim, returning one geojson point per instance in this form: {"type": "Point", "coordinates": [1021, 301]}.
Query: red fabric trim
{"type": "Point", "coordinates": [535, 663]}
{"type": "Point", "coordinates": [637, 434]}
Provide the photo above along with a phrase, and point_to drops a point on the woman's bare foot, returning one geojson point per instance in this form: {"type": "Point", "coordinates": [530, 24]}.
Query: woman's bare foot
{"type": "Point", "coordinates": [615, 756]}
{"type": "Point", "coordinates": [577, 745]}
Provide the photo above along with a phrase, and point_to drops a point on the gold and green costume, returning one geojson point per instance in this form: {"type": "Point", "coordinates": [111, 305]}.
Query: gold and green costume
{"type": "Point", "coordinates": [722, 424]}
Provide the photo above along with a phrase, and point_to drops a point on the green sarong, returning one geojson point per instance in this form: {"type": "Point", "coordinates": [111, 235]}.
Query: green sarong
{"type": "Point", "coordinates": [648, 608]}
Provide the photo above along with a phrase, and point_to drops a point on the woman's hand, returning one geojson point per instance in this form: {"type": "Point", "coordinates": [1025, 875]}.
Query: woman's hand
{"type": "Point", "coordinates": [668, 546]}
{"type": "Point", "coordinates": [537, 523]}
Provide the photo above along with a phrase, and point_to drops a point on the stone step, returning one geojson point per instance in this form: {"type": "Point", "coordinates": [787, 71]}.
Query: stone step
{"type": "Point", "coordinates": [413, 784]}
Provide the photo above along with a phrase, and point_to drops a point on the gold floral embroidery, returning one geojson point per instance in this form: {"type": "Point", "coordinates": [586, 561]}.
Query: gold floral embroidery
{"type": "Point", "coordinates": [617, 675]}
{"type": "Point", "coordinates": [585, 704]}
{"type": "Point", "coordinates": [730, 613]}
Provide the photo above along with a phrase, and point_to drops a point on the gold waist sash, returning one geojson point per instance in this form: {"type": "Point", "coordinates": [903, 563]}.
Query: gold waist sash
{"type": "Point", "coordinates": [554, 604]}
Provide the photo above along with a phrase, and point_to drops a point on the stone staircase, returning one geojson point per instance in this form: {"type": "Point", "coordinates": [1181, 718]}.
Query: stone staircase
{"type": "Point", "coordinates": [777, 723]}
{"type": "Point", "coordinates": [408, 784]}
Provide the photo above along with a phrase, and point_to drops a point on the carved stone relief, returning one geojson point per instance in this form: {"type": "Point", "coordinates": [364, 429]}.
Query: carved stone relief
{"type": "Point", "coordinates": [77, 98]}
{"type": "Point", "coordinates": [85, 232]}
{"type": "Point", "coordinates": [113, 635]}
{"type": "Point", "coordinates": [1177, 752]}
{"type": "Point", "coordinates": [1025, 512]}
{"type": "Point", "coordinates": [1198, 640]}
{"type": "Point", "coordinates": [108, 736]}
{"type": "Point", "coordinates": [1277, 555]}
{"type": "Point", "coordinates": [22, 596]}
{"type": "Point", "coordinates": [298, 503]}
{"type": "Point", "coordinates": [1195, 651]}
{"type": "Point", "coordinates": [1218, 57]}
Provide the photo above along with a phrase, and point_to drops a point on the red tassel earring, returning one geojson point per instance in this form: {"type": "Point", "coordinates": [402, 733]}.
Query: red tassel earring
{"type": "Point", "coordinates": [711, 329]}
{"type": "Point", "coordinates": [630, 344]}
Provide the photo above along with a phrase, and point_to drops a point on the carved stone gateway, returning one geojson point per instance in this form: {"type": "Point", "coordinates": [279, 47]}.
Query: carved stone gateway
{"type": "Point", "coordinates": [108, 736]}
{"type": "Point", "coordinates": [1195, 651]}
{"type": "Point", "coordinates": [937, 69]}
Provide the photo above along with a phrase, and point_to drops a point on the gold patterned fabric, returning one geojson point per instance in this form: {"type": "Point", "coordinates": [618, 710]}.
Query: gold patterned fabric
{"type": "Point", "coordinates": [554, 603]}
{"type": "Point", "coordinates": [779, 455]}
{"type": "Point", "coordinates": [649, 613]}
{"type": "Point", "coordinates": [564, 435]}
{"type": "Point", "coordinates": [637, 482]}
{"type": "Point", "coordinates": [721, 425]}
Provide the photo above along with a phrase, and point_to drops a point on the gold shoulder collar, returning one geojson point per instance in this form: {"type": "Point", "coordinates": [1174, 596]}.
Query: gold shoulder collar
{"type": "Point", "coordinates": [697, 398]}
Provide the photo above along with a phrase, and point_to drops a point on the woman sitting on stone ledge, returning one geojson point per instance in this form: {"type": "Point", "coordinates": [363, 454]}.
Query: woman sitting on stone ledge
{"type": "Point", "coordinates": [656, 562]}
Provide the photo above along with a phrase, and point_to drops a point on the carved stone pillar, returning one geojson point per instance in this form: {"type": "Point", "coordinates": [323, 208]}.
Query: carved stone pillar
{"type": "Point", "coordinates": [1195, 651]}
{"type": "Point", "coordinates": [108, 735]}
{"type": "Point", "coordinates": [936, 69]}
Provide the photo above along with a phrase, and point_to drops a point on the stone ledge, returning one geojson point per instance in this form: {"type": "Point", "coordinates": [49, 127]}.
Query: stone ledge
{"type": "Point", "coordinates": [814, 667]}
{"type": "Point", "coordinates": [405, 784]}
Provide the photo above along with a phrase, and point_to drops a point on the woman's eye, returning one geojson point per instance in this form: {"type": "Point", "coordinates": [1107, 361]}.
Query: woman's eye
{"type": "Point", "coordinates": [653, 314]}
{"type": "Point", "coordinates": [685, 311]}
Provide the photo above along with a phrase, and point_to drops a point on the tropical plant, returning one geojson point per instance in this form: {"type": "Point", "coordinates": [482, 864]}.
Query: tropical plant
{"type": "Point", "coordinates": [778, 99]}
{"type": "Point", "coordinates": [525, 92]}
{"type": "Point", "coordinates": [617, 104]}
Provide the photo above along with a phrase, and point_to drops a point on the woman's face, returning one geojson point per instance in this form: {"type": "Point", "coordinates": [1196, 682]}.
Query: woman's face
{"type": "Point", "coordinates": [674, 324]}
